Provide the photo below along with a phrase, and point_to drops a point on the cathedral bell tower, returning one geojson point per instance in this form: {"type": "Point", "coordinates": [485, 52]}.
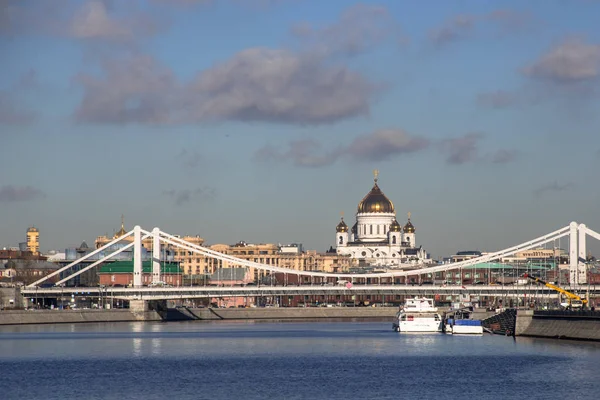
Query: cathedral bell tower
{"type": "Point", "coordinates": [341, 234]}
{"type": "Point", "coordinates": [395, 234]}
{"type": "Point", "coordinates": [409, 233]}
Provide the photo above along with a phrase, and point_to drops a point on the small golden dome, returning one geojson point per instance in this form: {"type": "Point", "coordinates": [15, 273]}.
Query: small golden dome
{"type": "Point", "coordinates": [121, 231]}
{"type": "Point", "coordinates": [32, 229]}
{"type": "Point", "coordinates": [375, 202]}
{"type": "Point", "coordinates": [341, 227]}
{"type": "Point", "coordinates": [395, 226]}
{"type": "Point", "coordinates": [409, 227]}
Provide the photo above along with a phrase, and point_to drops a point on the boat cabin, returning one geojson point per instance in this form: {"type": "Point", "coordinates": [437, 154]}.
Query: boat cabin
{"type": "Point", "coordinates": [421, 304]}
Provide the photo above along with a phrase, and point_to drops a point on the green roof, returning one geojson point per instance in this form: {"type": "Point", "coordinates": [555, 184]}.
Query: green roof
{"type": "Point", "coordinates": [126, 267]}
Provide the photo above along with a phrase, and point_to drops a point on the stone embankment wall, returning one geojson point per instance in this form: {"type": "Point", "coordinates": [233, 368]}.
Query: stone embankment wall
{"type": "Point", "coordinates": [290, 313]}
{"type": "Point", "coordinates": [21, 317]}
{"type": "Point", "coordinates": [180, 314]}
{"type": "Point", "coordinates": [565, 326]}
{"type": "Point", "coordinates": [185, 313]}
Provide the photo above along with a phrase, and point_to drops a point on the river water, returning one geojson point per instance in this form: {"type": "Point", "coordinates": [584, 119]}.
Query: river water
{"type": "Point", "coordinates": [286, 360]}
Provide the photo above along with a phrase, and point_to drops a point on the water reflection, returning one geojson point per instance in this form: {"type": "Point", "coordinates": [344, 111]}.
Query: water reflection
{"type": "Point", "coordinates": [156, 342]}
{"type": "Point", "coordinates": [574, 347]}
{"type": "Point", "coordinates": [137, 341]}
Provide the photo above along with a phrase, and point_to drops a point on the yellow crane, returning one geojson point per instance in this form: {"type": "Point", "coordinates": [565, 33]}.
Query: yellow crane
{"type": "Point", "coordinates": [574, 300]}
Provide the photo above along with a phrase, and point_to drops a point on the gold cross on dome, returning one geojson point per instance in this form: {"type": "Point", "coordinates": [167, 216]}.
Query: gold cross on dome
{"type": "Point", "coordinates": [408, 215]}
{"type": "Point", "coordinates": [375, 174]}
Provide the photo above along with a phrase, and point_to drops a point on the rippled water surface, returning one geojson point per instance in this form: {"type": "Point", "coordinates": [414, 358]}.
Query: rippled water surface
{"type": "Point", "coordinates": [286, 360]}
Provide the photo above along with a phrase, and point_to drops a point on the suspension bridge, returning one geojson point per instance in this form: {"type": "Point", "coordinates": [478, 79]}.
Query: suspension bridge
{"type": "Point", "coordinates": [315, 283]}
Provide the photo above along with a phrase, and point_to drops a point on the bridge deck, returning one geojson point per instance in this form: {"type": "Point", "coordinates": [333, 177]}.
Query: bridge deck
{"type": "Point", "coordinates": [157, 293]}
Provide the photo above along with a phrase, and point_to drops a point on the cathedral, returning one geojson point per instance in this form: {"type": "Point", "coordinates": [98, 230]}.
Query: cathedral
{"type": "Point", "coordinates": [377, 239]}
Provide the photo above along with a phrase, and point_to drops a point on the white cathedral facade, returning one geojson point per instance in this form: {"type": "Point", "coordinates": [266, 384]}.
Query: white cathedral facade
{"type": "Point", "coordinates": [377, 239]}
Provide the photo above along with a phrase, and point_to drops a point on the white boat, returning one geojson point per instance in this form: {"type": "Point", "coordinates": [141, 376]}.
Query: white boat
{"type": "Point", "coordinates": [418, 315]}
{"type": "Point", "coordinates": [460, 322]}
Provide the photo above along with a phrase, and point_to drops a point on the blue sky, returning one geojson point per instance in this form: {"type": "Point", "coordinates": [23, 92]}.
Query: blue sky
{"type": "Point", "coordinates": [262, 120]}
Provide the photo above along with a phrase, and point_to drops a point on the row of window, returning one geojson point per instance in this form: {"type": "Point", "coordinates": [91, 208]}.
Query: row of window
{"type": "Point", "coordinates": [182, 253]}
{"type": "Point", "coordinates": [363, 229]}
{"type": "Point", "coordinates": [251, 252]}
{"type": "Point", "coordinates": [147, 278]}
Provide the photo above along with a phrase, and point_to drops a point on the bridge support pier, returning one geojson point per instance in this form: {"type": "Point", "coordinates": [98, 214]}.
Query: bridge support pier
{"type": "Point", "coordinates": [581, 262]}
{"type": "Point", "coordinates": [137, 256]}
{"type": "Point", "coordinates": [573, 255]}
{"type": "Point", "coordinates": [156, 255]}
{"type": "Point", "coordinates": [138, 305]}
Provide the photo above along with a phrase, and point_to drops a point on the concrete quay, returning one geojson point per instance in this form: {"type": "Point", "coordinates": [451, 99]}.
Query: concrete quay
{"type": "Point", "coordinates": [282, 313]}
{"type": "Point", "coordinates": [20, 317]}
{"type": "Point", "coordinates": [27, 317]}
{"type": "Point", "coordinates": [558, 325]}
{"type": "Point", "coordinates": [290, 313]}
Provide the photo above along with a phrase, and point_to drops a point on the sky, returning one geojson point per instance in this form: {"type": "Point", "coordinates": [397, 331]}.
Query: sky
{"type": "Point", "coordinates": [263, 120]}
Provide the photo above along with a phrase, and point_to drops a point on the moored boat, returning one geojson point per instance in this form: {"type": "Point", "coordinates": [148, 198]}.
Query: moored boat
{"type": "Point", "coordinates": [418, 315]}
{"type": "Point", "coordinates": [459, 322]}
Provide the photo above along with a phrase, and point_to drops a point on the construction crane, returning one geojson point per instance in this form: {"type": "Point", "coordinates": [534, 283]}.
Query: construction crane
{"type": "Point", "coordinates": [574, 300]}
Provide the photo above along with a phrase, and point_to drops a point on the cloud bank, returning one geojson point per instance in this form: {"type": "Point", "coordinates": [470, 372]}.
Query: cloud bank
{"type": "Point", "coordinates": [184, 196]}
{"type": "Point", "coordinates": [15, 194]}
{"type": "Point", "coordinates": [382, 145]}
{"type": "Point", "coordinates": [570, 61]}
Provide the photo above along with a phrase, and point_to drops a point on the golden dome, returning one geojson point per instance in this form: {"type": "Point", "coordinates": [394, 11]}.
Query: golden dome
{"type": "Point", "coordinates": [32, 229]}
{"type": "Point", "coordinates": [341, 227]}
{"type": "Point", "coordinates": [409, 227]}
{"type": "Point", "coordinates": [122, 231]}
{"type": "Point", "coordinates": [395, 226]}
{"type": "Point", "coordinates": [375, 202]}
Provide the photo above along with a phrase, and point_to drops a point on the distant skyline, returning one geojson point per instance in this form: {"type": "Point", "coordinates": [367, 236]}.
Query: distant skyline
{"type": "Point", "coordinates": [262, 120]}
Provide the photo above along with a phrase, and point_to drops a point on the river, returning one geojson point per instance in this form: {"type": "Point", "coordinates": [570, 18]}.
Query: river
{"type": "Point", "coordinates": [333, 359]}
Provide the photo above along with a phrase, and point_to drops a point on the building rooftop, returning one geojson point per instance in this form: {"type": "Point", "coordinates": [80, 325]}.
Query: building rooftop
{"type": "Point", "coordinates": [126, 267]}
